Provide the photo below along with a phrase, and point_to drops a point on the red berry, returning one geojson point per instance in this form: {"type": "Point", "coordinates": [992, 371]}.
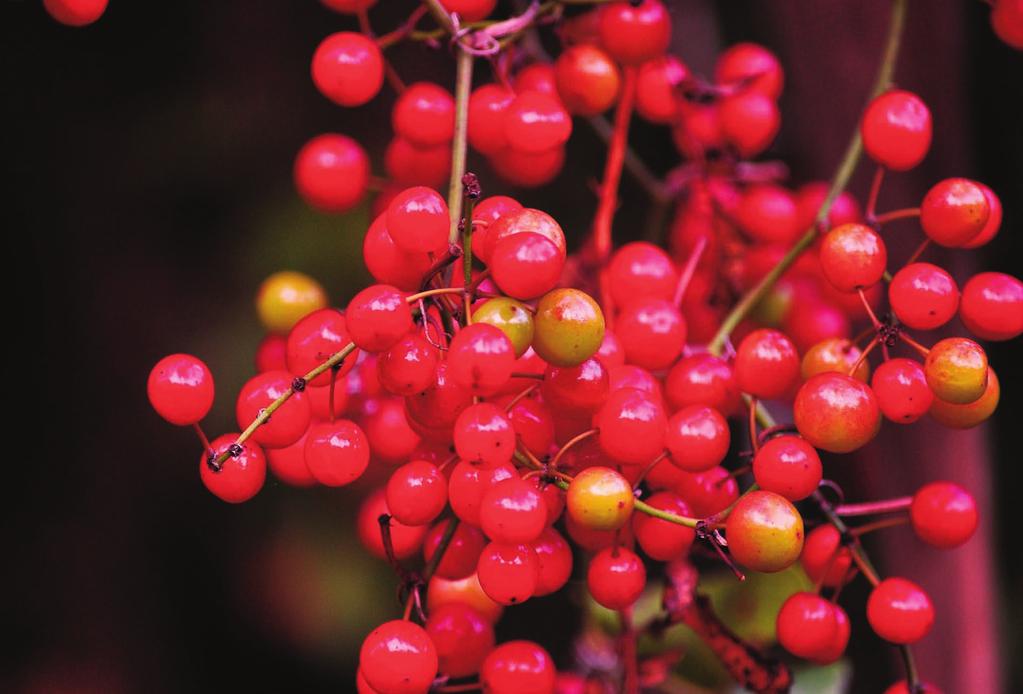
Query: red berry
{"type": "Point", "coordinates": [789, 466]}
{"type": "Point", "coordinates": [517, 667]}
{"type": "Point", "coordinates": [652, 333]}
{"type": "Point", "coordinates": [466, 591]}
{"type": "Point", "coordinates": [481, 359]}
{"type": "Point", "coordinates": [519, 221]}
{"type": "Point", "coordinates": [707, 492]}
{"type": "Point", "coordinates": [765, 532]}
{"type": "Point", "coordinates": [902, 391]}
{"type": "Point", "coordinates": [900, 611]}
{"type": "Point", "coordinates": [824, 559]}
{"type": "Point", "coordinates": [768, 213]}
{"type": "Point", "coordinates": [657, 88]}
{"type": "Point", "coordinates": [835, 647]}
{"type": "Point", "coordinates": [398, 657]}
{"type": "Point", "coordinates": [587, 79]}
{"type": "Point", "coordinates": [660, 539]}
{"type": "Point", "coordinates": [812, 320]}
{"type": "Point", "coordinates": [703, 379]}
{"type": "Point", "coordinates": [462, 636]}
{"type": "Point", "coordinates": [75, 13]}
{"type": "Point", "coordinates": [750, 66]}
{"type": "Point", "coordinates": [533, 424]}
{"type": "Point", "coordinates": [766, 364]}
{"type": "Point", "coordinates": [288, 464]}
{"type": "Point", "coordinates": [240, 476]}
{"type": "Point", "coordinates": [616, 578]}
{"type": "Point", "coordinates": [992, 306]}
{"type": "Point", "coordinates": [641, 270]}
{"type": "Point", "coordinates": [508, 573]}
{"type": "Point", "coordinates": [348, 68]}
{"type": "Point", "coordinates": [923, 296]}
{"type": "Point", "coordinates": [806, 625]}
{"type": "Point", "coordinates": [528, 169]}
{"type": "Point", "coordinates": [332, 172]}
{"type": "Point", "coordinates": [970, 414]}
{"type": "Point", "coordinates": [463, 551]}
{"type": "Point", "coordinates": [417, 492]}
{"type": "Point", "coordinates": [994, 220]}
{"type": "Point", "coordinates": [749, 122]}
{"type": "Point", "coordinates": [470, 10]}
{"type": "Point", "coordinates": [578, 389]}
{"type": "Point", "coordinates": [537, 77]}
{"type": "Point", "coordinates": [349, 6]}
{"type": "Point", "coordinates": [513, 511]}
{"type": "Point", "coordinates": [629, 376]}
{"type": "Point", "coordinates": [337, 453]}
{"type": "Point", "coordinates": [417, 165]}
{"type": "Point", "coordinates": [437, 407]}
{"type": "Point", "coordinates": [632, 427]}
{"type": "Point", "coordinates": [954, 212]}
{"type": "Point", "coordinates": [536, 122]}
{"type": "Point", "coordinates": [270, 354]}
{"type": "Point", "coordinates": [418, 220]}
{"type": "Point", "coordinates": [896, 130]}
{"type": "Point", "coordinates": [316, 338]}
{"type": "Point", "coordinates": [180, 389]}
{"type": "Point", "coordinates": [408, 367]}
{"type": "Point", "coordinates": [487, 106]}
{"type": "Point", "coordinates": [853, 256]}
{"type": "Point", "coordinates": [467, 485]}
{"type": "Point", "coordinates": [834, 354]}
{"type": "Point", "coordinates": [697, 438]}
{"type": "Point", "coordinates": [391, 437]}
{"type": "Point", "coordinates": [378, 317]}
{"type": "Point", "coordinates": [634, 34]}
{"type": "Point", "coordinates": [406, 539]}
{"type": "Point", "coordinates": [424, 114]}
{"type": "Point", "coordinates": [288, 422]}
{"type": "Point", "coordinates": [484, 216]}
{"type": "Point", "coordinates": [554, 557]}
{"type": "Point", "coordinates": [943, 514]}
{"type": "Point", "coordinates": [388, 263]}
{"type": "Point", "coordinates": [810, 198]}
{"type": "Point", "coordinates": [526, 266]}
{"type": "Point", "coordinates": [836, 412]}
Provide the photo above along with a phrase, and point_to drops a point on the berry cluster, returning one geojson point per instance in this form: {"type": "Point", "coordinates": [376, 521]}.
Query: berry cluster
{"type": "Point", "coordinates": [535, 408]}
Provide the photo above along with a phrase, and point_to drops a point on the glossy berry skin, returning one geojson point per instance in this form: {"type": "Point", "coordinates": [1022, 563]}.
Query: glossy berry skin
{"type": "Point", "coordinates": [834, 354]}
{"type": "Point", "coordinates": [900, 611]}
{"type": "Point", "coordinates": [484, 434]}
{"type": "Point", "coordinates": [467, 591]}
{"type": "Point", "coordinates": [467, 485]}
{"type": "Point", "coordinates": [526, 266]}
{"type": "Point", "coordinates": [288, 464]}
{"type": "Point", "coordinates": [902, 391]}
{"type": "Point", "coordinates": [286, 297]}
{"type": "Point", "coordinates": [398, 657]}
{"type": "Point", "coordinates": [75, 13]}
{"type": "Point", "coordinates": [518, 667]}
{"type": "Point", "coordinates": [943, 514]}
{"type": "Point", "coordinates": [766, 364]}
{"type": "Point", "coordinates": [348, 68]}
{"type": "Point", "coordinates": [971, 414]}
{"type": "Point", "coordinates": [288, 422]}
{"type": "Point", "coordinates": [438, 406]}
{"type": "Point", "coordinates": [487, 105]}
{"type": "Point", "coordinates": [923, 296]}
{"type": "Point", "coordinates": [706, 493]}
{"type": "Point", "coordinates": [600, 498]}
{"type": "Point", "coordinates": [533, 424]}
{"type": "Point", "coordinates": [750, 66]}
{"type": "Point", "coordinates": [240, 477]}
{"type": "Point", "coordinates": [387, 263]}
{"type": "Point", "coordinates": [616, 578]}
{"type": "Point", "coordinates": [663, 540]}
{"type": "Point", "coordinates": [824, 559]}
{"type": "Point", "coordinates": [470, 10]}
{"type": "Point", "coordinates": [378, 317]}
{"type": "Point", "coordinates": [641, 270]}
{"type": "Point", "coordinates": [703, 379]}
{"type": "Point", "coordinates": [765, 532]}
{"type": "Point", "coordinates": [408, 367]}
{"type": "Point", "coordinates": [632, 427]}
{"type": "Point", "coordinates": [588, 80]}
{"type": "Point", "coordinates": [956, 370]}
{"type": "Point", "coordinates": [568, 327]}
{"type": "Point", "coordinates": [487, 212]}
{"type": "Point", "coordinates": [652, 332]}
{"type": "Point", "coordinates": [656, 97]}
{"type": "Point", "coordinates": [513, 511]}
{"type": "Point", "coordinates": [768, 213]}
{"type": "Point", "coordinates": [634, 34]}
{"type": "Point", "coordinates": [463, 552]}
{"type": "Point", "coordinates": [994, 219]}
{"type": "Point", "coordinates": [481, 359]}
{"type": "Point", "coordinates": [749, 122]}
{"type": "Point", "coordinates": [810, 198]}
{"type": "Point", "coordinates": [697, 438]}
{"type": "Point", "coordinates": [896, 130]}
{"type": "Point", "coordinates": [417, 492]}
{"type": "Point", "coordinates": [853, 256]}
{"type": "Point", "coordinates": [576, 389]}
{"type": "Point", "coordinates": [407, 539]}
{"type": "Point", "coordinates": [834, 648]}
{"type": "Point", "coordinates": [337, 453]}
{"type": "Point", "coordinates": [954, 212]}
{"type": "Point", "coordinates": [629, 376]}
{"type": "Point", "coordinates": [508, 573]}
{"type": "Point", "coordinates": [512, 317]}
{"type": "Point", "coordinates": [521, 221]}
{"type": "Point", "coordinates": [424, 115]}
{"type": "Point", "coordinates": [789, 466]}
{"type": "Point", "coordinates": [836, 413]}
{"type": "Point", "coordinates": [389, 430]}
{"type": "Point", "coordinates": [901, 687]}
{"type": "Point", "coordinates": [313, 340]}
{"type": "Point", "coordinates": [806, 624]}
{"type": "Point", "coordinates": [463, 638]}
{"type": "Point", "coordinates": [418, 221]}
{"type": "Point", "coordinates": [536, 77]}
{"type": "Point", "coordinates": [554, 557]}
{"type": "Point", "coordinates": [992, 306]}
{"type": "Point", "coordinates": [536, 122]}
{"type": "Point", "coordinates": [180, 389]}
{"type": "Point", "coordinates": [331, 172]}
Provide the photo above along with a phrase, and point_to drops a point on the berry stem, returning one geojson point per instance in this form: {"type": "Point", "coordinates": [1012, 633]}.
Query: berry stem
{"type": "Point", "coordinates": [412, 298]}
{"type": "Point", "coordinates": [914, 344]}
{"type": "Point", "coordinates": [861, 530]}
{"type": "Point", "coordinates": [524, 393]}
{"type": "Point", "coordinates": [894, 215]}
{"type": "Point", "coordinates": [570, 443]}
{"type": "Point", "coordinates": [872, 507]}
{"type": "Point", "coordinates": [202, 437]}
{"type": "Point", "coordinates": [686, 276]}
{"type": "Point", "coordinates": [875, 190]}
{"type": "Point", "coordinates": [650, 466]}
{"type": "Point", "coordinates": [753, 439]}
{"type": "Point", "coordinates": [459, 145]}
{"type": "Point", "coordinates": [839, 181]}
{"type": "Point", "coordinates": [445, 541]}
{"type": "Point", "coordinates": [864, 566]}
{"type": "Point", "coordinates": [863, 356]}
{"type": "Point", "coordinates": [912, 678]}
{"type": "Point", "coordinates": [646, 508]}
{"type": "Point", "coordinates": [330, 394]}
{"type": "Point", "coordinates": [919, 251]}
{"type": "Point", "coordinates": [613, 167]}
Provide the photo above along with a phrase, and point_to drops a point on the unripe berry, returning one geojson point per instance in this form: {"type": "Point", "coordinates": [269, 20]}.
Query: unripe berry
{"type": "Point", "coordinates": [836, 413]}
{"type": "Point", "coordinates": [956, 370]}
{"type": "Point", "coordinates": [284, 298]}
{"type": "Point", "coordinates": [600, 499]}
{"type": "Point", "coordinates": [764, 532]}
{"type": "Point", "coordinates": [568, 327]}
{"type": "Point", "coordinates": [511, 317]}
{"type": "Point", "coordinates": [971, 414]}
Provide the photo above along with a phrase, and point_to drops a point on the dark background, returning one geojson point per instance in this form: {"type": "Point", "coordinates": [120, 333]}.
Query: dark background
{"type": "Point", "coordinates": [148, 192]}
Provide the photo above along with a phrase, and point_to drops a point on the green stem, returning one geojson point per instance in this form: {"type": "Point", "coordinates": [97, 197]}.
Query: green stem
{"type": "Point", "coordinates": [839, 181]}
{"type": "Point", "coordinates": [459, 146]}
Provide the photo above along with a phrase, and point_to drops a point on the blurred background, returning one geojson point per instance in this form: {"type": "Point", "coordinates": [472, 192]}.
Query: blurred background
{"type": "Point", "coordinates": [149, 192]}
